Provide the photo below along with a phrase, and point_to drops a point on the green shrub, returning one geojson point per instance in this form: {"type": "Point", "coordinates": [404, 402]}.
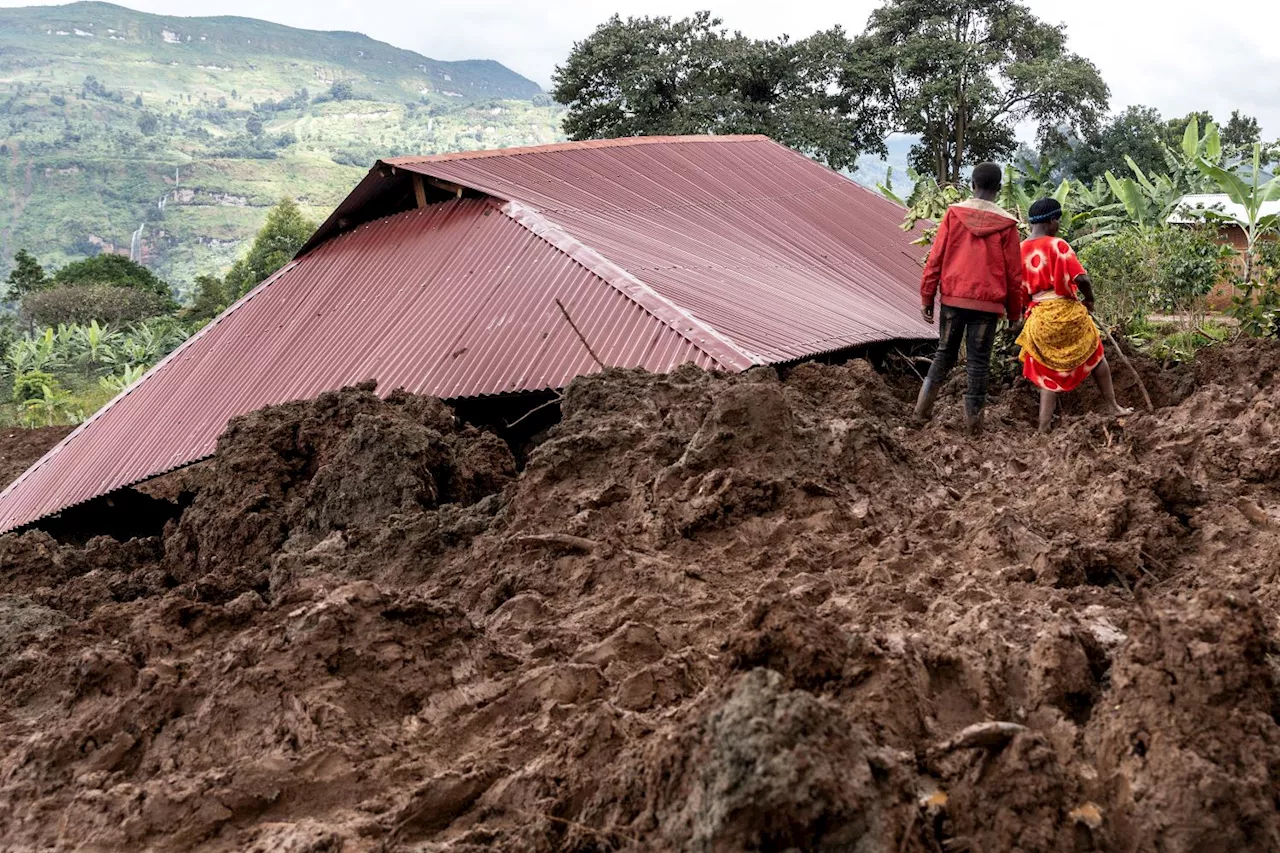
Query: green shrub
{"type": "Point", "coordinates": [31, 385]}
{"type": "Point", "coordinates": [1168, 269]}
{"type": "Point", "coordinates": [1124, 277]}
{"type": "Point", "coordinates": [1257, 306]}
{"type": "Point", "coordinates": [83, 304]}
{"type": "Point", "coordinates": [114, 270]}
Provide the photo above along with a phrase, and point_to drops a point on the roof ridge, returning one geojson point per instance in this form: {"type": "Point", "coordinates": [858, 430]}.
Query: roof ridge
{"type": "Point", "coordinates": [573, 145]}
{"type": "Point", "coordinates": [702, 335]}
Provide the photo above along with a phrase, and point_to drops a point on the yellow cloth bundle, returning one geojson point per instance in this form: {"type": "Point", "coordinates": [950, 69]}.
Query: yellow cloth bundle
{"type": "Point", "coordinates": [1059, 334]}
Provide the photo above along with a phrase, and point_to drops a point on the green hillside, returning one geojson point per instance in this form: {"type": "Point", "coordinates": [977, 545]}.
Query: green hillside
{"type": "Point", "coordinates": [190, 128]}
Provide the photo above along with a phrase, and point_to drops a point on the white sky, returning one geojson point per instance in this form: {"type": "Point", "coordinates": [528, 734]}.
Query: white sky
{"type": "Point", "coordinates": [1170, 55]}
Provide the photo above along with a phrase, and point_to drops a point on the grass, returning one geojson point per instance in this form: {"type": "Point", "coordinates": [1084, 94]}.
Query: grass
{"type": "Point", "coordinates": [1178, 340]}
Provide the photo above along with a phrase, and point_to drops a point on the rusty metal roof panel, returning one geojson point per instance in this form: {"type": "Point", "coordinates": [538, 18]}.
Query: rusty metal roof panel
{"type": "Point", "coordinates": [721, 251]}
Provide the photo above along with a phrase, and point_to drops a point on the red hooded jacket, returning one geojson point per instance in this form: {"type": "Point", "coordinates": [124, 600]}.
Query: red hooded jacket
{"type": "Point", "coordinates": [976, 260]}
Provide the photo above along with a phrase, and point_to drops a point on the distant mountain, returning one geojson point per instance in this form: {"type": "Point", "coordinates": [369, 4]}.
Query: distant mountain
{"type": "Point", "coordinates": [171, 136]}
{"type": "Point", "coordinates": [871, 172]}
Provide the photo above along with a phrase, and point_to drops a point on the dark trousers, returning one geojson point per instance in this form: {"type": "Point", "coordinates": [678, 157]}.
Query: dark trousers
{"type": "Point", "coordinates": [977, 329]}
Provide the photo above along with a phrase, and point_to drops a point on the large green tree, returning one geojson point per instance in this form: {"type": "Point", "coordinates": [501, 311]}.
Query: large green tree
{"type": "Point", "coordinates": [1137, 132]}
{"type": "Point", "coordinates": [962, 74]}
{"type": "Point", "coordinates": [283, 234]}
{"type": "Point", "coordinates": [1174, 128]}
{"type": "Point", "coordinates": [1240, 133]}
{"type": "Point", "coordinates": [655, 76]}
{"type": "Point", "coordinates": [113, 270]}
{"type": "Point", "coordinates": [27, 276]}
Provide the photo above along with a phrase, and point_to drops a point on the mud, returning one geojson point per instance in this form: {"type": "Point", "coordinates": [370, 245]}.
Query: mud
{"type": "Point", "coordinates": [711, 613]}
{"type": "Point", "coordinates": [20, 448]}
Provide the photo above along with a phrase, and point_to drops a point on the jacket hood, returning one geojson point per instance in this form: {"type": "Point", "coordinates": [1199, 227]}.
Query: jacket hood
{"type": "Point", "coordinates": [983, 218]}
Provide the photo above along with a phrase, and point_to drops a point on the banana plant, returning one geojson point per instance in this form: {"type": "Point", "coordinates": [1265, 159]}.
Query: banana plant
{"type": "Point", "coordinates": [94, 341]}
{"type": "Point", "coordinates": [1098, 213]}
{"type": "Point", "coordinates": [118, 383]}
{"type": "Point", "coordinates": [53, 406]}
{"type": "Point", "coordinates": [1020, 191]}
{"type": "Point", "coordinates": [1248, 190]}
{"type": "Point", "coordinates": [39, 353]}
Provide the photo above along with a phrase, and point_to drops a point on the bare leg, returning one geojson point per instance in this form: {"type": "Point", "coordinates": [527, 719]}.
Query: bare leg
{"type": "Point", "coordinates": [1048, 402]}
{"type": "Point", "coordinates": [1102, 375]}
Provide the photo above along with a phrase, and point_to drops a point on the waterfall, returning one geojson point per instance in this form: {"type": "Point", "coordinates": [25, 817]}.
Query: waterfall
{"type": "Point", "coordinates": [163, 199]}
{"type": "Point", "coordinates": [135, 245]}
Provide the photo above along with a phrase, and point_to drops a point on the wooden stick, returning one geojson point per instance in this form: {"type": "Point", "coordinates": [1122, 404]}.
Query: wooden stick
{"type": "Point", "coordinates": [553, 401]}
{"type": "Point", "coordinates": [1129, 364]}
{"type": "Point", "coordinates": [563, 540]}
{"type": "Point", "coordinates": [578, 332]}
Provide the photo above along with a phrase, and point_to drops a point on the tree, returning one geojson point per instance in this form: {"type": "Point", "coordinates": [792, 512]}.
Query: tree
{"type": "Point", "coordinates": [284, 233]}
{"type": "Point", "coordinates": [84, 303]}
{"type": "Point", "coordinates": [1175, 127]}
{"type": "Point", "coordinates": [961, 74]}
{"type": "Point", "coordinates": [1241, 132]}
{"type": "Point", "coordinates": [148, 124]}
{"type": "Point", "coordinates": [342, 90]}
{"type": "Point", "coordinates": [1137, 132]}
{"type": "Point", "coordinates": [210, 299]}
{"type": "Point", "coordinates": [253, 125]}
{"type": "Point", "coordinates": [654, 76]}
{"type": "Point", "coordinates": [113, 270]}
{"type": "Point", "coordinates": [27, 276]}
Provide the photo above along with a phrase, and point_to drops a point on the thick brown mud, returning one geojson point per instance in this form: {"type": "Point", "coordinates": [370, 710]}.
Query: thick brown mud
{"type": "Point", "coordinates": [711, 613]}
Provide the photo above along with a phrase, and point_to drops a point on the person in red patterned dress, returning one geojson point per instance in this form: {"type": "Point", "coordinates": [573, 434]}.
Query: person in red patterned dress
{"type": "Point", "coordinates": [1060, 344]}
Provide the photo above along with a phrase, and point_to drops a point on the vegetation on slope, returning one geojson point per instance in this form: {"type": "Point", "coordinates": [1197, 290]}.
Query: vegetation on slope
{"type": "Point", "coordinates": [171, 137]}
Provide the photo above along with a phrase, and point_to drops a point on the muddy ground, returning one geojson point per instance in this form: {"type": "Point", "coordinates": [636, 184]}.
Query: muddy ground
{"type": "Point", "coordinates": [710, 614]}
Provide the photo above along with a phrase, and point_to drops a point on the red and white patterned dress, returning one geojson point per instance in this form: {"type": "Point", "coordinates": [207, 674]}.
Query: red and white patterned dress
{"type": "Point", "coordinates": [1064, 333]}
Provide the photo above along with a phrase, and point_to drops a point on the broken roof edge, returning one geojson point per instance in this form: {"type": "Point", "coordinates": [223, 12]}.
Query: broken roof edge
{"type": "Point", "coordinates": [6, 526]}
{"type": "Point", "coordinates": [718, 346]}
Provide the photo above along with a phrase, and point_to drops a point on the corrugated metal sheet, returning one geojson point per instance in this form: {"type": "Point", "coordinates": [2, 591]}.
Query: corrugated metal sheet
{"type": "Point", "coordinates": [456, 299]}
{"type": "Point", "coordinates": [722, 251]}
{"type": "Point", "coordinates": [780, 255]}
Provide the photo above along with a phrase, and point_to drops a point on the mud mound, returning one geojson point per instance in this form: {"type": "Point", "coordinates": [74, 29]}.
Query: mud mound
{"type": "Point", "coordinates": [291, 475]}
{"type": "Point", "coordinates": [712, 613]}
{"type": "Point", "coordinates": [21, 448]}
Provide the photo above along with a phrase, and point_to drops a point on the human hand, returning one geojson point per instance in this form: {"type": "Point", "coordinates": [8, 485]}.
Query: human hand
{"type": "Point", "coordinates": [1088, 305]}
{"type": "Point", "coordinates": [926, 311]}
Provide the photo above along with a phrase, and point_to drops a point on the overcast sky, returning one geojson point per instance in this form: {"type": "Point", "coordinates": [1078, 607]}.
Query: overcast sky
{"type": "Point", "coordinates": [1169, 55]}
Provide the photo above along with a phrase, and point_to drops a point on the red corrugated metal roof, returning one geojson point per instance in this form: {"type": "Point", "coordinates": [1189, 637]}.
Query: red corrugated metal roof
{"type": "Point", "coordinates": [722, 251]}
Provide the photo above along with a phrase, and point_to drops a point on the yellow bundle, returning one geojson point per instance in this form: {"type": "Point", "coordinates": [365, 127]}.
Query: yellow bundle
{"type": "Point", "coordinates": [1059, 334]}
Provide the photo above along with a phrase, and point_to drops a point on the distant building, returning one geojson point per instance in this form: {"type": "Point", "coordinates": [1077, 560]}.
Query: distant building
{"type": "Point", "coordinates": [507, 273]}
{"type": "Point", "coordinates": [1231, 231]}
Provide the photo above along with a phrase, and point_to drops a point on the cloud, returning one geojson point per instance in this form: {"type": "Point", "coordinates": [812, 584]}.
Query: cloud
{"type": "Point", "coordinates": [1172, 56]}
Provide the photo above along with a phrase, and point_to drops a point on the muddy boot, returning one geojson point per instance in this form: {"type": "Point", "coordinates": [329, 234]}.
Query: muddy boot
{"type": "Point", "coordinates": [972, 418]}
{"type": "Point", "coordinates": [924, 402]}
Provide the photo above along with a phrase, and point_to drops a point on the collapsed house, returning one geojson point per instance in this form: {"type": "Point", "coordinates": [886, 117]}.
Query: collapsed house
{"type": "Point", "coordinates": [488, 275]}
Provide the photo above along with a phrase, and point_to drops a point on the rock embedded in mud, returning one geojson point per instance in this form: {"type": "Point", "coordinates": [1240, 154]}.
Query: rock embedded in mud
{"type": "Point", "coordinates": [778, 769]}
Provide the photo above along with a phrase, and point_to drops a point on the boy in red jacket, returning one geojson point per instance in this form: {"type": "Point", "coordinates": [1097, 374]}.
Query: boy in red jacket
{"type": "Point", "coordinates": [976, 261]}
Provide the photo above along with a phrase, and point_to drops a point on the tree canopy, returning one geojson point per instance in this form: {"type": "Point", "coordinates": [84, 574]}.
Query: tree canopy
{"type": "Point", "coordinates": [113, 270]}
{"type": "Point", "coordinates": [1137, 132]}
{"type": "Point", "coordinates": [961, 74]}
{"type": "Point", "coordinates": [283, 234]}
{"type": "Point", "coordinates": [654, 76]}
{"type": "Point", "coordinates": [27, 276]}
{"type": "Point", "coordinates": [1241, 132]}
